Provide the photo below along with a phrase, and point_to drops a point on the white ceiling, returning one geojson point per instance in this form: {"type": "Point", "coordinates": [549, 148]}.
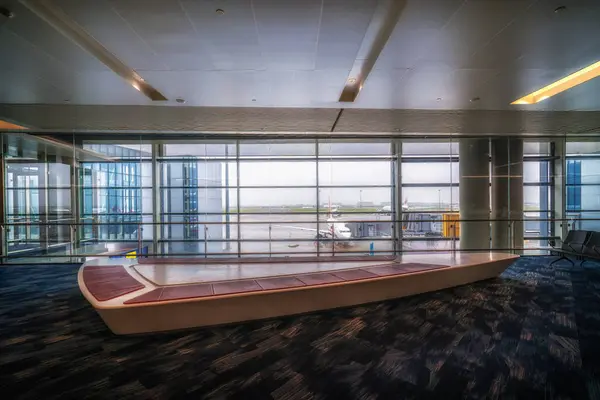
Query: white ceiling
{"type": "Point", "coordinates": [298, 53]}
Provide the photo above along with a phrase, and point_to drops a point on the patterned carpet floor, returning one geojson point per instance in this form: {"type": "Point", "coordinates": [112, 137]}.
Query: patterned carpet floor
{"type": "Point", "coordinates": [532, 333]}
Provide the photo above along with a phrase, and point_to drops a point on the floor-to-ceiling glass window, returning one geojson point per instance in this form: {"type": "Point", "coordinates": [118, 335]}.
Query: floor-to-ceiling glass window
{"type": "Point", "coordinates": [429, 175]}
{"type": "Point", "coordinates": [583, 185]}
{"type": "Point", "coordinates": [198, 202]}
{"type": "Point", "coordinates": [537, 194]}
{"type": "Point", "coordinates": [37, 198]}
{"type": "Point", "coordinates": [355, 194]}
{"type": "Point", "coordinates": [262, 197]}
{"type": "Point", "coordinates": [116, 200]}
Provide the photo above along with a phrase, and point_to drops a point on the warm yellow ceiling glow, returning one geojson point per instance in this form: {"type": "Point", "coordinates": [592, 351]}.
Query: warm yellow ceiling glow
{"type": "Point", "coordinates": [8, 125]}
{"type": "Point", "coordinates": [566, 83]}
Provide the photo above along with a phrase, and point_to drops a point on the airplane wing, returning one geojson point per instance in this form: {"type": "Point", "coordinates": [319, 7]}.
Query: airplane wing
{"type": "Point", "coordinates": [321, 231]}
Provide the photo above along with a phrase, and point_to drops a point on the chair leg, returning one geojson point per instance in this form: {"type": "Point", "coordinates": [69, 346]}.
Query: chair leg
{"type": "Point", "coordinates": [563, 257]}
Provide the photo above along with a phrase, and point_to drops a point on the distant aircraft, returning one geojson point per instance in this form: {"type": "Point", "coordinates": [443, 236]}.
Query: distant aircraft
{"type": "Point", "coordinates": [337, 233]}
{"type": "Point", "coordinates": [388, 209]}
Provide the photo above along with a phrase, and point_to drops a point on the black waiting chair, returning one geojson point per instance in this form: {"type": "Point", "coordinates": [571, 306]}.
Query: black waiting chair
{"type": "Point", "coordinates": [591, 249]}
{"type": "Point", "coordinates": [573, 245]}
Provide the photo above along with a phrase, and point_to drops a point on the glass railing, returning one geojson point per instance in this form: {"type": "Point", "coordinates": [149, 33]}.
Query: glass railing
{"type": "Point", "coordinates": [61, 240]}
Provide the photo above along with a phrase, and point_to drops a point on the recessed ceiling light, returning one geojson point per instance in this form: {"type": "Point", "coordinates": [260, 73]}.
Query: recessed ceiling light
{"type": "Point", "coordinates": [136, 86]}
{"type": "Point", "coordinates": [474, 99]}
{"type": "Point", "coordinates": [220, 11]}
{"type": "Point", "coordinates": [180, 100]}
{"type": "Point", "coordinates": [566, 83]}
{"type": "Point", "coordinates": [560, 9]}
{"type": "Point", "coordinates": [352, 80]}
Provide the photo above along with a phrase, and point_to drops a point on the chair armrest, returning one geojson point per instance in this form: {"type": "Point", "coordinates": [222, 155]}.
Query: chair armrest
{"type": "Point", "coordinates": [556, 243]}
{"type": "Point", "coordinates": [572, 249]}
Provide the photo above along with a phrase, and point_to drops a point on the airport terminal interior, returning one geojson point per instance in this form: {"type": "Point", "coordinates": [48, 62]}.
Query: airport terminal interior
{"type": "Point", "coordinates": [300, 199]}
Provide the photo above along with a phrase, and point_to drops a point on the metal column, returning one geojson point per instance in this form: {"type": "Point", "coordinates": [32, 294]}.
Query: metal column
{"type": "Point", "coordinates": [474, 194]}
{"type": "Point", "coordinates": [397, 195]}
{"type": "Point", "coordinates": [507, 194]}
{"type": "Point", "coordinates": [157, 152]}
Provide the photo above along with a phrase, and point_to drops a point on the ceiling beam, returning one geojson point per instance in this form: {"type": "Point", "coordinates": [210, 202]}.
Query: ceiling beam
{"type": "Point", "coordinates": [380, 28]}
{"type": "Point", "coordinates": [63, 23]}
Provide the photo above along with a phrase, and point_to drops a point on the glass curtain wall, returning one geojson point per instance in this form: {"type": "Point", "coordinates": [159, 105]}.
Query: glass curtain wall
{"type": "Point", "coordinates": [72, 197]}
{"type": "Point", "coordinates": [37, 198]}
{"type": "Point", "coordinates": [538, 189]}
{"type": "Point", "coordinates": [430, 209]}
{"type": "Point", "coordinates": [582, 189]}
{"type": "Point", "coordinates": [275, 198]}
{"type": "Point", "coordinates": [116, 199]}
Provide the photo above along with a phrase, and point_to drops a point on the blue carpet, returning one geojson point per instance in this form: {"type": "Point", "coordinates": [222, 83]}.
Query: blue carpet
{"type": "Point", "coordinates": [532, 333]}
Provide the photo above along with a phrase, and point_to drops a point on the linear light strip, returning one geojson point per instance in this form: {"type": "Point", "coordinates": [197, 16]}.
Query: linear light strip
{"type": "Point", "coordinates": [566, 83]}
{"type": "Point", "coordinates": [59, 20]}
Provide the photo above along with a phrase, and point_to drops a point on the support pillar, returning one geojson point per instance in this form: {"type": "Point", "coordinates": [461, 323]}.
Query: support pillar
{"type": "Point", "coordinates": [558, 178]}
{"type": "Point", "coordinates": [507, 194]}
{"type": "Point", "coordinates": [474, 194]}
{"type": "Point", "coordinates": [157, 152]}
{"type": "Point", "coordinates": [397, 215]}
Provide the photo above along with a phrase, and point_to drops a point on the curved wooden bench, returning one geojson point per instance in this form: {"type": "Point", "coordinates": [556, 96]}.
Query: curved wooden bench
{"type": "Point", "coordinates": [239, 286]}
{"type": "Point", "coordinates": [129, 302]}
{"type": "Point", "coordinates": [106, 282]}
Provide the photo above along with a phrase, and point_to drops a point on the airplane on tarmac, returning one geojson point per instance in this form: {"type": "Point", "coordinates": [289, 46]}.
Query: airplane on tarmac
{"type": "Point", "coordinates": [337, 233]}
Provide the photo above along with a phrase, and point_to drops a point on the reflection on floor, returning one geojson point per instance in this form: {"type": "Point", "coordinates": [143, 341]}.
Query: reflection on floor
{"type": "Point", "coordinates": [533, 333]}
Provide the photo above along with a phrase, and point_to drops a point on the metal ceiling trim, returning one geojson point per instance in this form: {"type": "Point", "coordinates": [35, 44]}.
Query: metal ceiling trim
{"type": "Point", "coordinates": [63, 23]}
{"type": "Point", "coordinates": [380, 28]}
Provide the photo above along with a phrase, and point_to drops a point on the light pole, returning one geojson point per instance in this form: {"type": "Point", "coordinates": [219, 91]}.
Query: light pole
{"type": "Point", "coordinates": [360, 199]}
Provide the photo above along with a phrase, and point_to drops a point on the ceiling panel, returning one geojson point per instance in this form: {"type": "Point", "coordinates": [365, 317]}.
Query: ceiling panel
{"type": "Point", "coordinates": [48, 41]}
{"type": "Point", "coordinates": [288, 32]}
{"type": "Point", "coordinates": [296, 53]}
{"type": "Point", "coordinates": [382, 89]}
{"type": "Point", "coordinates": [231, 38]}
{"type": "Point", "coordinates": [166, 28]}
{"type": "Point", "coordinates": [26, 88]}
{"type": "Point", "coordinates": [28, 62]}
{"type": "Point", "coordinates": [541, 38]}
{"type": "Point", "coordinates": [472, 27]}
{"type": "Point", "coordinates": [417, 29]}
{"type": "Point", "coordinates": [343, 26]}
{"type": "Point", "coordinates": [101, 21]}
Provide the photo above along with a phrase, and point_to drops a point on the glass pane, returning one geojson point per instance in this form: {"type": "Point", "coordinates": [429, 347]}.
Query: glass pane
{"type": "Point", "coordinates": [427, 148]}
{"type": "Point", "coordinates": [536, 148]}
{"type": "Point", "coordinates": [583, 148]}
{"type": "Point", "coordinates": [430, 172]}
{"type": "Point", "coordinates": [355, 199]}
{"type": "Point", "coordinates": [275, 149]}
{"type": "Point", "coordinates": [337, 149]}
{"type": "Point", "coordinates": [277, 200]}
{"type": "Point", "coordinates": [431, 198]}
{"type": "Point", "coordinates": [358, 173]}
{"type": "Point", "coordinates": [200, 150]}
{"type": "Point", "coordinates": [590, 172]}
{"type": "Point", "coordinates": [292, 173]}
